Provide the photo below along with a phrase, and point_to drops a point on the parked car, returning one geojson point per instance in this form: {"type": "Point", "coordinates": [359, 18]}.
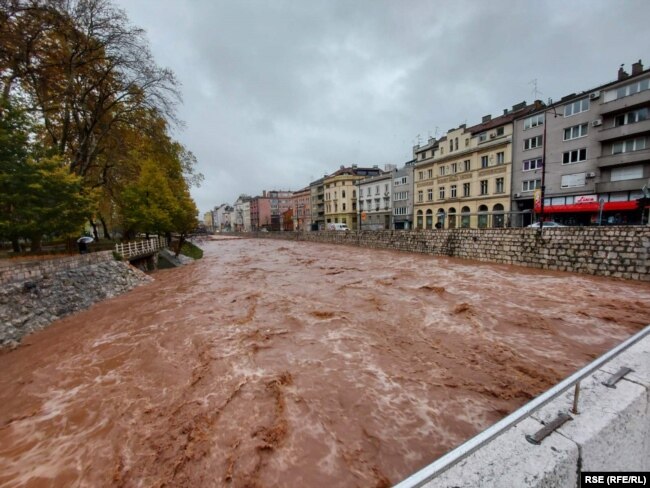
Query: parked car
{"type": "Point", "coordinates": [546, 224]}
{"type": "Point", "coordinates": [343, 227]}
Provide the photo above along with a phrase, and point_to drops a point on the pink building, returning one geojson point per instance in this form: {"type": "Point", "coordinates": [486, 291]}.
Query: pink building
{"type": "Point", "coordinates": [261, 212]}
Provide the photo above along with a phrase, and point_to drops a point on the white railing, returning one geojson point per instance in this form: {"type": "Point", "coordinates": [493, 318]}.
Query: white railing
{"type": "Point", "coordinates": [133, 249]}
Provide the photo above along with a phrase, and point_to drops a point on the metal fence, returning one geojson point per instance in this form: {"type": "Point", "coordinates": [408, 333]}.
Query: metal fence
{"type": "Point", "coordinates": [133, 249]}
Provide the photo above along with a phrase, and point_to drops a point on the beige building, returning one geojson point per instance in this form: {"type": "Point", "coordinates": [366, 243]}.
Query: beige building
{"type": "Point", "coordinates": [464, 178]}
{"type": "Point", "coordinates": [340, 194]}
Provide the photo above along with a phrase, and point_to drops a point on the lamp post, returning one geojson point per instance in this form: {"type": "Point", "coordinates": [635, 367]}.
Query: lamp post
{"type": "Point", "coordinates": [543, 188]}
{"type": "Point", "coordinates": [601, 204]}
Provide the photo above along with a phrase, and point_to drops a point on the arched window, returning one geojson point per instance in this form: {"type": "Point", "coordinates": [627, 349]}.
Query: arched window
{"type": "Point", "coordinates": [452, 218]}
{"type": "Point", "coordinates": [498, 220]}
{"type": "Point", "coordinates": [482, 217]}
{"type": "Point", "coordinates": [464, 217]}
{"type": "Point", "coordinates": [429, 219]}
{"type": "Point", "coordinates": [418, 224]}
{"type": "Point", "coordinates": [440, 219]}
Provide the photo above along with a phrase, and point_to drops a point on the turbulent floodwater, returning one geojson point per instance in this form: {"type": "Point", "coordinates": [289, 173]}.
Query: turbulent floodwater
{"type": "Point", "coordinates": [272, 363]}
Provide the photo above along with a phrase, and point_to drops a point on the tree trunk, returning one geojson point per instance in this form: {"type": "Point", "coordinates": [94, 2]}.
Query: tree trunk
{"type": "Point", "coordinates": [35, 243]}
{"type": "Point", "coordinates": [181, 241]}
{"type": "Point", "coordinates": [107, 234]}
{"type": "Point", "coordinates": [94, 226]}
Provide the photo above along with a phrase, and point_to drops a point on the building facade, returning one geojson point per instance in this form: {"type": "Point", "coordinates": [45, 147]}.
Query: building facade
{"type": "Point", "coordinates": [587, 154]}
{"type": "Point", "coordinates": [301, 210]}
{"type": "Point", "coordinates": [375, 202]}
{"type": "Point", "coordinates": [317, 194]}
{"type": "Point", "coordinates": [340, 194]}
{"type": "Point", "coordinates": [402, 196]}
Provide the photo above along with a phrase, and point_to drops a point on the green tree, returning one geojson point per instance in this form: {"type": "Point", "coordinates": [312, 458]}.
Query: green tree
{"type": "Point", "coordinates": [38, 194]}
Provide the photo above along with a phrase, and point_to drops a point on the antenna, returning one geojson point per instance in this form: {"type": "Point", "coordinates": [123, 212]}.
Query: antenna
{"type": "Point", "coordinates": [418, 139]}
{"type": "Point", "coordinates": [437, 129]}
{"type": "Point", "coordinates": [536, 93]}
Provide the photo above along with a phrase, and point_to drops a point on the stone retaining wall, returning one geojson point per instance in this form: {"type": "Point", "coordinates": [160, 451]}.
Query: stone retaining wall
{"type": "Point", "coordinates": [35, 293]}
{"type": "Point", "coordinates": [620, 252]}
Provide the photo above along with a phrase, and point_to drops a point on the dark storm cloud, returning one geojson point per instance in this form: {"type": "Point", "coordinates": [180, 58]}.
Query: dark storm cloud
{"type": "Point", "coordinates": [279, 93]}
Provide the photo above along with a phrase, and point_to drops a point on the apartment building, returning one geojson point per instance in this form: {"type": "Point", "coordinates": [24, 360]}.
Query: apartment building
{"type": "Point", "coordinates": [464, 178]}
{"type": "Point", "coordinates": [402, 196]}
{"type": "Point", "coordinates": [280, 202]}
{"type": "Point", "coordinates": [242, 214]}
{"type": "Point", "coordinates": [317, 195]}
{"type": "Point", "coordinates": [374, 201]}
{"type": "Point", "coordinates": [301, 209]}
{"type": "Point", "coordinates": [587, 155]}
{"type": "Point", "coordinates": [340, 194]}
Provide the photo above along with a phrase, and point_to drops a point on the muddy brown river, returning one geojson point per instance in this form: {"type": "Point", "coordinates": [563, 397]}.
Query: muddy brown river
{"type": "Point", "coordinates": [271, 363]}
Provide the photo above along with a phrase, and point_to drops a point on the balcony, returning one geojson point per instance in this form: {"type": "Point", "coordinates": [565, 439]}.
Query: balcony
{"type": "Point", "coordinates": [627, 130]}
{"type": "Point", "coordinates": [624, 158]}
{"type": "Point", "coordinates": [625, 103]}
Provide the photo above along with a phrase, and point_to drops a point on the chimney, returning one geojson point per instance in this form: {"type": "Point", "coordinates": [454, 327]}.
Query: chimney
{"type": "Point", "coordinates": [538, 104]}
{"type": "Point", "coordinates": [486, 118]}
{"type": "Point", "coordinates": [622, 74]}
{"type": "Point", "coordinates": [637, 68]}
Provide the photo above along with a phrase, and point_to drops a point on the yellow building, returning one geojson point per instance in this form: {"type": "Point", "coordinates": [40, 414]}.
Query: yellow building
{"type": "Point", "coordinates": [464, 178]}
{"type": "Point", "coordinates": [341, 194]}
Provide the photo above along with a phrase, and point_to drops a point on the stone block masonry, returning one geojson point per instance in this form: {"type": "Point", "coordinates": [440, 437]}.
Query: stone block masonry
{"type": "Point", "coordinates": [618, 252]}
{"type": "Point", "coordinates": [34, 294]}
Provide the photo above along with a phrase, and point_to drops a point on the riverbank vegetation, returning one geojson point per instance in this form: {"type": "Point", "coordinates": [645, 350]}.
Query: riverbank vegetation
{"type": "Point", "coordinates": [85, 122]}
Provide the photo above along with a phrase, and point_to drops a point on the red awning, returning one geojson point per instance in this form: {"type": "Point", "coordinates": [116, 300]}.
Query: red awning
{"type": "Point", "coordinates": [591, 207]}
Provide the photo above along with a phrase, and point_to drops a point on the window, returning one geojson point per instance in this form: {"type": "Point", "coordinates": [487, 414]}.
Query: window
{"type": "Point", "coordinates": [385, 188]}
{"type": "Point", "coordinates": [451, 145]}
{"type": "Point", "coordinates": [531, 185]}
{"type": "Point", "coordinates": [442, 170]}
{"type": "Point", "coordinates": [468, 164]}
{"type": "Point", "coordinates": [627, 90]}
{"type": "Point", "coordinates": [430, 173]}
{"type": "Point", "coordinates": [466, 189]}
{"type": "Point", "coordinates": [420, 175]}
{"type": "Point", "coordinates": [627, 173]}
{"type": "Point", "coordinates": [400, 211]}
{"type": "Point", "coordinates": [420, 196]}
{"type": "Point", "coordinates": [575, 132]}
{"type": "Point", "coordinates": [430, 195]}
{"type": "Point", "coordinates": [484, 161]}
{"type": "Point", "coordinates": [400, 181]}
{"type": "Point", "coordinates": [575, 156]}
{"type": "Point", "coordinates": [631, 117]}
{"type": "Point", "coordinates": [354, 194]}
{"type": "Point", "coordinates": [532, 164]}
{"type": "Point", "coordinates": [501, 157]}
{"type": "Point", "coordinates": [441, 192]}
{"type": "Point", "coordinates": [344, 206]}
{"type": "Point", "coordinates": [484, 187]}
{"type": "Point", "coordinates": [499, 185]}
{"type": "Point", "coordinates": [500, 131]}
{"type": "Point", "coordinates": [453, 191]}
{"type": "Point", "coordinates": [467, 142]}
{"type": "Point", "coordinates": [343, 194]}
{"type": "Point", "coordinates": [532, 143]}
{"type": "Point", "coordinates": [570, 181]}
{"type": "Point", "coordinates": [482, 137]}
{"type": "Point", "coordinates": [533, 121]}
{"type": "Point", "coordinates": [576, 107]}
{"type": "Point", "coordinates": [376, 189]}
{"type": "Point", "coordinates": [629, 145]}
{"type": "Point", "coordinates": [454, 168]}
{"type": "Point", "coordinates": [456, 144]}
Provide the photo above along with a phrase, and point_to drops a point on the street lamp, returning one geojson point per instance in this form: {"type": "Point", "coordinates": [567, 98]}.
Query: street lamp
{"type": "Point", "coordinates": [543, 192]}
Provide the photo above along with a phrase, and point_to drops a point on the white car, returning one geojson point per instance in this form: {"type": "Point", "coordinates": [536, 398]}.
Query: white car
{"type": "Point", "coordinates": [546, 224]}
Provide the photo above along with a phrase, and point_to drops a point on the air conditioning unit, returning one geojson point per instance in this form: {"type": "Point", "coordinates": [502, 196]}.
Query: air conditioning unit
{"type": "Point", "coordinates": [517, 195]}
{"type": "Point", "coordinates": [597, 122]}
{"type": "Point", "coordinates": [591, 175]}
{"type": "Point", "coordinates": [493, 135]}
{"type": "Point", "coordinates": [594, 95]}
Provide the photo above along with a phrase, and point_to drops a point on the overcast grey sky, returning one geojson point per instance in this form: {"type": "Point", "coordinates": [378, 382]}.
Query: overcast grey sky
{"type": "Point", "coordinates": [279, 93]}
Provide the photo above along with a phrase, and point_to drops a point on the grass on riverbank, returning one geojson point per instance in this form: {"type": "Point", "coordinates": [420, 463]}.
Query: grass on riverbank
{"type": "Point", "coordinates": [192, 251]}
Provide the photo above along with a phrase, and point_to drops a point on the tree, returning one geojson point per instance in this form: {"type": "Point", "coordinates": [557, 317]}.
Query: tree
{"type": "Point", "coordinates": [38, 194]}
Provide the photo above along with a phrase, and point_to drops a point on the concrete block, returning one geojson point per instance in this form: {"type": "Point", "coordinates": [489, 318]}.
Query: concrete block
{"type": "Point", "coordinates": [510, 460]}
{"type": "Point", "coordinates": [611, 426]}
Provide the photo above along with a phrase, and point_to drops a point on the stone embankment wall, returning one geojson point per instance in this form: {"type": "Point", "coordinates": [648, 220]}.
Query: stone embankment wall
{"type": "Point", "coordinates": [620, 252]}
{"type": "Point", "coordinates": [33, 294]}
